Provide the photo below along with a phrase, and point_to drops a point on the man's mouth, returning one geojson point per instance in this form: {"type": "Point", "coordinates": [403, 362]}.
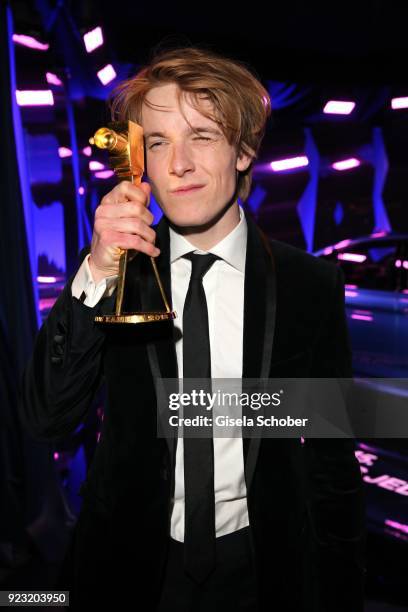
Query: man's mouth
{"type": "Point", "coordinates": [187, 189]}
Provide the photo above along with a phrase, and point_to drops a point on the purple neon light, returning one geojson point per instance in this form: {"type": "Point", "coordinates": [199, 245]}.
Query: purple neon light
{"type": "Point", "coordinates": [81, 190]}
{"type": "Point", "coordinates": [351, 286]}
{"type": "Point", "coordinates": [93, 39]}
{"type": "Point", "coordinates": [339, 107]}
{"type": "Point", "coordinates": [47, 279]}
{"type": "Point", "coordinates": [52, 79]}
{"type": "Point", "coordinates": [396, 525]}
{"type": "Point", "coordinates": [342, 243]}
{"type": "Point", "coordinates": [64, 152]}
{"type": "Point", "coordinates": [397, 103]}
{"type": "Point", "coordinates": [328, 251]}
{"type": "Point", "coordinates": [30, 41]}
{"type": "Point", "coordinates": [95, 165]}
{"type": "Point", "coordinates": [361, 317]}
{"type": "Point", "coordinates": [104, 174]}
{"type": "Point", "coordinates": [56, 456]}
{"type": "Point", "coordinates": [106, 74]}
{"type": "Point", "coordinates": [87, 151]}
{"type": "Point", "coordinates": [35, 98]}
{"type": "Point", "coordinates": [378, 234]}
{"type": "Point", "coordinates": [357, 257]}
{"type": "Point", "coordinates": [351, 294]}
{"type": "Point", "coordinates": [290, 163]}
{"type": "Point", "coordinates": [346, 164]}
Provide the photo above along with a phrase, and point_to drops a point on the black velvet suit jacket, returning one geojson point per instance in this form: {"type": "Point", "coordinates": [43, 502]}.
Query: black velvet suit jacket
{"type": "Point", "coordinates": [305, 502]}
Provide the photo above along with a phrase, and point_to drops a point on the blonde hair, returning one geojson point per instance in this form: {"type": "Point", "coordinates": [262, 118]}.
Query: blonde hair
{"type": "Point", "coordinates": [241, 104]}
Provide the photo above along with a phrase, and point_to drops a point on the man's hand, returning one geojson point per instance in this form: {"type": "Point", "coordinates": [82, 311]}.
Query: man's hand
{"type": "Point", "coordinates": [122, 221]}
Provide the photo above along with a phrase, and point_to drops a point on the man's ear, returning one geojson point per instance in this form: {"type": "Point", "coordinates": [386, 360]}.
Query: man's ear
{"type": "Point", "coordinates": [243, 161]}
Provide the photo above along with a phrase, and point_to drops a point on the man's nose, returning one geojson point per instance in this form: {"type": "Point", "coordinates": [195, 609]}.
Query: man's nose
{"type": "Point", "coordinates": [180, 160]}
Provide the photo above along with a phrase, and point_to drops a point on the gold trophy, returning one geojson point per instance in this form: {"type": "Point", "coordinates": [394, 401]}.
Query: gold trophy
{"type": "Point", "coordinates": [124, 141]}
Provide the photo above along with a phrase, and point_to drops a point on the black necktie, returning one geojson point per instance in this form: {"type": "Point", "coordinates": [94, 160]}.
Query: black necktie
{"type": "Point", "coordinates": [199, 538]}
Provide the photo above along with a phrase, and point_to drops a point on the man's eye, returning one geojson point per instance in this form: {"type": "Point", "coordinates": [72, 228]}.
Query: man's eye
{"type": "Point", "coordinates": [201, 138]}
{"type": "Point", "coordinates": [155, 144]}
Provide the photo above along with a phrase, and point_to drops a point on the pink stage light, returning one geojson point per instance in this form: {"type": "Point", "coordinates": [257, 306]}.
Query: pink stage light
{"type": "Point", "coordinates": [87, 151]}
{"type": "Point", "coordinates": [56, 456]}
{"type": "Point", "coordinates": [352, 257]}
{"type": "Point", "coordinates": [290, 163]}
{"type": "Point", "coordinates": [64, 152]}
{"type": "Point", "coordinates": [342, 243]}
{"type": "Point", "coordinates": [30, 41]}
{"type": "Point", "coordinates": [361, 317]}
{"type": "Point", "coordinates": [339, 107]}
{"type": "Point", "coordinates": [81, 190]}
{"type": "Point", "coordinates": [397, 103]}
{"type": "Point", "coordinates": [104, 174]}
{"type": "Point", "coordinates": [351, 294]}
{"type": "Point", "coordinates": [378, 234]}
{"type": "Point", "coordinates": [398, 263]}
{"type": "Point", "coordinates": [346, 164]}
{"type": "Point", "coordinates": [93, 39]}
{"type": "Point", "coordinates": [396, 525]}
{"type": "Point", "coordinates": [46, 279]}
{"type": "Point", "coordinates": [95, 165]}
{"type": "Point", "coordinates": [35, 98]}
{"type": "Point", "coordinates": [328, 251]}
{"type": "Point", "coordinates": [106, 74]}
{"type": "Point", "coordinates": [405, 265]}
{"type": "Point", "coordinates": [351, 286]}
{"type": "Point", "coordinates": [52, 79]}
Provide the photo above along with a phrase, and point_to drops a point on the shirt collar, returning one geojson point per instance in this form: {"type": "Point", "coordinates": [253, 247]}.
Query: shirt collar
{"type": "Point", "coordinates": [232, 248]}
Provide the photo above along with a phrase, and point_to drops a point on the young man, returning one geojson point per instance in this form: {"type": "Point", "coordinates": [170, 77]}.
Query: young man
{"type": "Point", "coordinates": [229, 524]}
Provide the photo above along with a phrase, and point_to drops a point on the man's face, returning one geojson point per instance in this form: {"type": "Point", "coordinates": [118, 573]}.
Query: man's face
{"type": "Point", "coordinates": [193, 176]}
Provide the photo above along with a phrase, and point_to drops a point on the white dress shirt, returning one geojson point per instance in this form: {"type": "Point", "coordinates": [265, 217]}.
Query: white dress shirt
{"type": "Point", "coordinates": [224, 289]}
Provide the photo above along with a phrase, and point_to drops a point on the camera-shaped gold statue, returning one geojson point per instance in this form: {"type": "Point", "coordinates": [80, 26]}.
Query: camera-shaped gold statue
{"type": "Point", "coordinates": [124, 141]}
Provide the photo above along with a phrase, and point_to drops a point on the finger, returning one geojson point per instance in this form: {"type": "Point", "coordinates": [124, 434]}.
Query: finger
{"type": "Point", "coordinates": [133, 226]}
{"type": "Point", "coordinates": [130, 241]}
{"type": "Point", "coordinates": [125, 210]}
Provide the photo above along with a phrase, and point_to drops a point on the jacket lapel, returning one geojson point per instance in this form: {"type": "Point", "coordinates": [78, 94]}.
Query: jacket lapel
{"type": "Point", "coordinates": [259, 326]}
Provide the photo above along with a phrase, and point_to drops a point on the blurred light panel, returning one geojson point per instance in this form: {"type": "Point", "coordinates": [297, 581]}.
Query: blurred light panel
{"type": "Point", "coordinates": [64, 152]}
{"type": "Point", "coordinates": [106, 74]}
{"type": "Point", "coordinates": [95, 165]}
{"type": "Point", "coordinates": [104, 174]}
{"type": "Point", "coordinates": [47, 279]}
{"type": "Point", "coordinates": [81, 190]}
{"type": "Point", "coordinates": [356, 257]}
{"type": "Point", "coordinates": [397, 103]}
{"type": "Point", "coordinates": [361, 317]}
{"type": "Point", "coordinates": [52, 79]}
{"type": "Point", "coordinates": [290, 163]}
{"type": "Point", "coordinates": [342, 243]}
{"type": "Point", "coordinates": [35, 98]}
{"type": "Point", "coordinates": [346, 164]}
{"type": "Point", "coordinates": [93, 39]}
{"type": "Point", "coordinates": [339, 107]}
{"type": "Point", "coordinates": [31, 42]}
{"type": "Point", "coordinates": [87, 151]}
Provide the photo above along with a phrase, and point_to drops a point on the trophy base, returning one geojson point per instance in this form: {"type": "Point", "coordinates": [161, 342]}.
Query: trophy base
{"type": "Point", "coordinates": [136, 317]}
